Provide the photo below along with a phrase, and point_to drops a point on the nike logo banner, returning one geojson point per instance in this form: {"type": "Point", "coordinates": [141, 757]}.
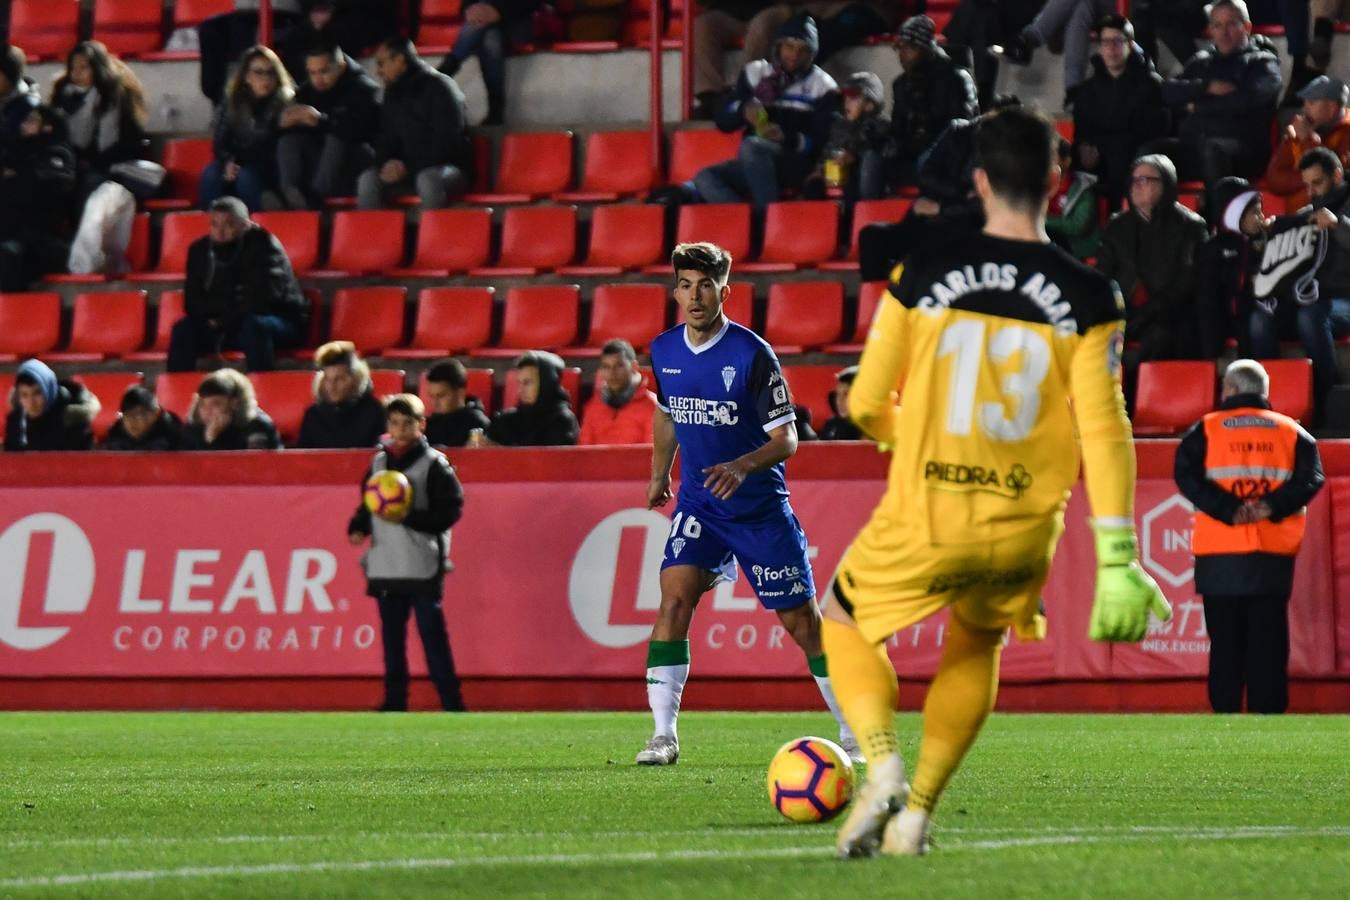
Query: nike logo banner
{"type": "Point", "coordinates": [1294, 251]}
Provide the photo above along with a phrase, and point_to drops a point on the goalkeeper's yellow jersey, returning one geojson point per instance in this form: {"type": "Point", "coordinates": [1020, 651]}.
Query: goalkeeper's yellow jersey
{"type": "Point", "coordinates": [1005, 358]}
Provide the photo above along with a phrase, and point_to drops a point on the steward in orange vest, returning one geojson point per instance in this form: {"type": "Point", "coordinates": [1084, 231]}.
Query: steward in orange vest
{"type": "Point", "coordinates": [1250, 474]}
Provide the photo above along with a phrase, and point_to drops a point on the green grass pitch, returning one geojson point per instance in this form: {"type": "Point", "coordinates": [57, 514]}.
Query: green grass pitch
{"type": "Point", "coordinates": [487, 805]}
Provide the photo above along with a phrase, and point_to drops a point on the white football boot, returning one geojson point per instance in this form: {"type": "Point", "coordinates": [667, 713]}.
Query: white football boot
{"type": "Point", "coordinates": [662, 750]}
{"type": "Point", "coordinates": [850, 746]}
{"type": "Point", "coordinates": [875, 805]}
{"type": "Point", "coordinates": [906, 834]}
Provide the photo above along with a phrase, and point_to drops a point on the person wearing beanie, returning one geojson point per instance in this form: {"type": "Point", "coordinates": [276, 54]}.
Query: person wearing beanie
{"type": "Point", "coordinates": [46, 413]}
{"type": "Point", "coordinates": [929, 93]}
{"type": "Point", "coordinates": [1324, 122]}
{"type": "Point", "coordinates": [859, 147]}
{"type": "Point", "coordinates": [1228, 261]}
{"type": "Point", "coordinates": [840, 427]}
{"type": "Point", "coordinates": [143, 424]}
{"type": "Point", "coordinates": [542, 416]}
{"type": "Point", "coordinates": [345, 413]}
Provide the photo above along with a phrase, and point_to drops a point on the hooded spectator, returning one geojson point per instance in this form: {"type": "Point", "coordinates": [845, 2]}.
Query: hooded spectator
{"type": "Point", "coordinates": [455, 413]}
{"type": "Point", "coordinates": [104, 104]}
{"type": "Point", "coordinates": [143, 424]}
{"type": "Point", "coordinates": [224, 415]}
{"type": "Point", "coordinates": [245, 131]}
{"type": "Point", "coordinates": [840, 427]}
{"type": "Point", "coordinates": [543, 415]}
{"type": "Point", "coordinates": [929, 94]}
{"type": "Point", "coordinates": [346, 412]}
{"type": "Point", "coordinates": [621, 410]}
{"type": "Point", "coordinates": [48, 414]}
{"type": "Point", "coordinates": [37, 190]}
{"type": "Point", "coordinates": [1324, 122]}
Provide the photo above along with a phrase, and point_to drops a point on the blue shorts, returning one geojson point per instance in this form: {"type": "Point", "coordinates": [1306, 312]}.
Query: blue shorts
{"type": "Point", "coordinates": [772, 552]}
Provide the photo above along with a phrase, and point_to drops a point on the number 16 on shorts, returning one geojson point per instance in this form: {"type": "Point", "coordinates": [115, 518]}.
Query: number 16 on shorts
{"type": "Point", "coordinates": [683, 528]}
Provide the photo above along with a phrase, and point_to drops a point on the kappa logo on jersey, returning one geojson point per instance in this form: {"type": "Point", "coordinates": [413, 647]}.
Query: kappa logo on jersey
{"type": "Point", "coordinates": [701, 411]}
{"type": "Point", "coordinates": [979, 478]}
{"type": "Point", "coordinates": [728, 375]}
{"type": "Point", "coordinates": [797, 588]}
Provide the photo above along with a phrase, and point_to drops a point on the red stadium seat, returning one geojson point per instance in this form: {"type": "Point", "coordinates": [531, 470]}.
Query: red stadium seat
{"type": "Point", "coordinates": [175, 390]}
{"type": "Point", "coordinates": [284, 395]}
{"type": "Point", "coordinates": [450, 320]}
{"type": "Point", "coordinates": [531, 166]}
{"type": "Point", "coordinates": [867, 212]}
{"type": "Point", "coordinates": [725, 224]}
{"type": "Point", "coordinates": [178, 231]}
{"type": "Point", "coordinates": [169, 311]}
{"type": "Point", "coordinates": [618, 164]}
{"type": "Point", "coordinates": [692, 149]}
{"type": "Point", "coordinates": [534, 238]}
{"type": "Point", "coordinates": [298, 233]}
{"type": "Point", "coordinates": [129, 27]}
{"type": "Point", "coordinates": [1291, 387]}
{"type": "Point", "coordinates": [450, 242]}
{"type": "Point", "coordinates": [803, 315]}
{"type": "Point", "coordinates": [30, 324]}
{"type": "Point", "coordinates": [570, 380]}
{"type": "Point", "coordinates": [1172, 395]}
{"type": "Point", "coordinates": [138, 249]}
{"type": "Point", "coordinates": [365, 242]}
{"type": "Point", "coordinates": [1064, 127]}
{"type": "Point", "coordinates": [387, 381]}
{"type": "Point", "coordinates": [480, 385]}
{"type": "Point", "coordinates": [797, 234]}
{"type": "Point", "coordinates": [537, 318]}
{"type": "Point", "coordinates": [740, 305]}
{"type": "Point", "coordinates": [439, 26]}
{"type": "Point", "coordinates": [634, 312]}
{"type": "Point", "coordinates": [111, 323]}
{"type": "Point", "coordinates": [811, 386]}
{"type": "Point", "coordinates": [187, 13]}
{"type": "Point", "coordinates": [869, 295]}
{"type": "Point", "coordinates": [108, 387]}
{"type": "Point", "coordinates": [45, 29]}
{"type": "Point", "coordinates": [369, 317]}
{"type": "Point", "coordinates": [184, 160]}
{"type": "Point", "coordinates": [623, 238]}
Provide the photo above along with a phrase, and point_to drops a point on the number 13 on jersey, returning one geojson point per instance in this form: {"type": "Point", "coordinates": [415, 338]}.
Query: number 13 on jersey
{"type": "Point", "coordinates": [1019, 390]}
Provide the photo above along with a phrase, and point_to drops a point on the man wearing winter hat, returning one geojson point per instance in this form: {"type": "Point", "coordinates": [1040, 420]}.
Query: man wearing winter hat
{"type": "Point", "coordinates": [1324, 122]}
{"type": "Point", "coordinates": [930, 92]}
{"type": "Point", "coordinates": [856, 153]}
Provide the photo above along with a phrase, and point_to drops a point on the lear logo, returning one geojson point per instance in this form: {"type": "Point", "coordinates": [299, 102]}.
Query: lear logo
{"type": "Point", "coordinates": [595, 573]}
{"type": "Point", "coordinates": [64, 589]}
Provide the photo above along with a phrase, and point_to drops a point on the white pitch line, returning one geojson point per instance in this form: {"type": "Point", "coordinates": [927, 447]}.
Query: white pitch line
{"type": "Point", "coordinates": [669, 856]}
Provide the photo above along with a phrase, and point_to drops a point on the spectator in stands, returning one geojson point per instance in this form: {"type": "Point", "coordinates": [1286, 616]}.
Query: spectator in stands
{"type": "Point", "coordinates": [1075, 19]}
{"type": "Point", "coordinates": [858, 150]}
{"type": "Point", "coordinates": [245, 131]}
{"type": "Point", "coordinates": [48, 414]}
{"type": "Point", "coordinates": [224, 415]}
{"type": "Point", "coordinates": [346, 412]}
{"type": "Point", "coordinates": [839, 23]}
{"type": "Point", "coordinates": [1119, 109]}
{"type": "Point", "coordinates": [455, 413]}
{"type": "Point", "coordinates": [977, 26]}
{"type": "Point", "coordinates": [143, 424]}
{"type": "Point", "coordinates": [104, 104]}
{"type": "Point", "coordinates": [353, 25]}
{"type": "Point", "coordinates": [1175, 22]}
{"type": "Point", "coordinates": [37, 189]}
{"type": "Point", "coordinates": [408, 557]}
{"type": "Point", "coordinates": [621, 410]}
{"type": "Point", "coordinates": [1324, 122]}
{"type": "Point", "coordinates": [490, 28]}
{"type": "Point", "coordinates": [240, 293]}
{"type": "Point", "coordinates": [1071, 218]}
{"type": "Point", "coordinates": [1225, 98]}
{"type": "Point", "coordinates": [930, 93]}
{"type": "Point", "coordinates": [783, 104]}
{"type": "Point", "coordinates": [18, 97]}
{"type": "Point", "coordinates": [424, 140]}
{"type": "Point", "coordinates": [718, 26]}
{"type": "Point", "coordinates": [223, 37]}
{"type": "Point", "coordinates": [840, 427]}
{"type": "Point", "coordinates": [1228, 261]}
{"type": "Point", "coordinates": [1150, 250]}
{"type": "Point", "coordinates": [543, 414]}
{"type": "Point", "coordinates": [328, 134]}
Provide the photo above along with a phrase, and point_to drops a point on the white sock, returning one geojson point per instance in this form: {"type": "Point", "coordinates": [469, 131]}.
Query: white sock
{"type": "Point", "coordinates": [823, 682]}
{"type": "Point", "coordinates": [665, 685]}
{"type": "Point", "coordinates": [887, 770]}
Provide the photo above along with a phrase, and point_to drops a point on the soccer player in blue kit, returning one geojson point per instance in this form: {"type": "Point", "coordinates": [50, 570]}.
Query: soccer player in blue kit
{"type": "Point", "coordinates": [722, 401]}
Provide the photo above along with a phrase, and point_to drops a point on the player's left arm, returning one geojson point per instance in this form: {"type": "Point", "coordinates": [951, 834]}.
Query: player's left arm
{"type": "Point", "coordinates": [724, 479]}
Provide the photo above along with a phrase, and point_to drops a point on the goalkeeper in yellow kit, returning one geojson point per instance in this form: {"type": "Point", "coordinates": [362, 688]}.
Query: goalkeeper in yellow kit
{"type": "Point", "coordinates": [991, 364]}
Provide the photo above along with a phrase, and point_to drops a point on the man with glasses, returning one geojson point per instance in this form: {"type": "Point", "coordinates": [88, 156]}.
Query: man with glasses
{"type": "Point", "coordinates": [1073, 18]}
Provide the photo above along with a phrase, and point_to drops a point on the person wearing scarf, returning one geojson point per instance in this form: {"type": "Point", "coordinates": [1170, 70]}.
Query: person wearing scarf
{"type": "Point", "coordinates": [621, 410]}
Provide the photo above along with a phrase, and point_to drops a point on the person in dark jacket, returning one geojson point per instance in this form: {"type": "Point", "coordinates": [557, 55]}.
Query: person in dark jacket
{"type": "Point", "coordinates": [18, 97]}
{"type": "Point", "coordinates": [346, 412]}
{"type": "Point", "coordinates": [490, 28]}
{"type": "Point", "coordinates": [1151, 250]}
{"type": "Point", "coordinates": [37, 190]}
{"type": "Point", "coordinates": [143, 424]}
{"type": "Point", "coordinates": [783, 105]}
{"type": "Point", "coordinates": [929, 94]}
{"type": "Point", "coordinates": [408, 556]}
{"type": "Point", "coordinates": [240, 294]}
{"type": "Point", "coordinates": [543, 415]}
{"type": "Point", "coordinates": [840, 427]}
{"type": "Point", "coordinates": [1119, 108]}
{"type": "Point", "coordinates": [245, 131]}
{"type": "Point", "coordinates": [1227, 263]}
{"type": "Point", "coordinates": [328, 134]}
{"type": "Point", "coordinates": [105, 109]}
{"type": "Point", "coordinates": [424, 140]}
{"type": "Point", "coordinates": [859, 148]}
{"type": "Point", "coordinates": [1250, 491]}
{"type": "Point", "coordinates": [224, 415]}
{"type": "Point", "coordinates": [455, 413]}
{"type": "Point", "coordinates": [1225, 98]}
{"type": "Point", "coordinates": [48, 414]}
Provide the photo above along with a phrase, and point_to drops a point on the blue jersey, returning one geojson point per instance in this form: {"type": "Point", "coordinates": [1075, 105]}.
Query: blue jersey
{"type": "Point", "coordinates": [724, 397]}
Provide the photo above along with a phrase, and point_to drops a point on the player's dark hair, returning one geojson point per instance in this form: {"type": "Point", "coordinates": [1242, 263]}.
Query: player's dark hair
{"type": "Point", "coordinates": [451, 372]}
{"type": "Point", "coordinates": [619, 347]}
{"type": "Point", "coordinates": [1321, 157]}
{"type": "Point", "coordinates": [1016, 149]}
{"type": "Point", "coordinates": [404, 404]}
{"type": "Point", "coordinates": [709, 259]}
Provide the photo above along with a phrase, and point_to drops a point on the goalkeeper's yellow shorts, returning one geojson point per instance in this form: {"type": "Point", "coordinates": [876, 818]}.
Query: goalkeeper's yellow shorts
{"type": "Point", "coordinates": [894, 578]}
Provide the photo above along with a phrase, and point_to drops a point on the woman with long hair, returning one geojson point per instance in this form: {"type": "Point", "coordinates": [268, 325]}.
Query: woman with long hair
{"type": "Point", "coordinates": [105, 109]}
{"type": "Point", "coordinates": [246, 129]}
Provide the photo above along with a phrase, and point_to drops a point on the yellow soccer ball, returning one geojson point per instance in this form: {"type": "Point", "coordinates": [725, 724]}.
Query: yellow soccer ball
{"type": "Point", "coordinates": [810, 780]}
{"type": "Point", "coordinates": [388, 495]}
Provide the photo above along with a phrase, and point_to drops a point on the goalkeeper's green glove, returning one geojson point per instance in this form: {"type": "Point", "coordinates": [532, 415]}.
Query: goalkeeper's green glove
{"type": "Point", "coordinates": [1125, 592]}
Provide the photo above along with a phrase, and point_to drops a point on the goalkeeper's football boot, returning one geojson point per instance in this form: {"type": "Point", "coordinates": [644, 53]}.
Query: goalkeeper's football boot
{"type": "Point", "coordinates": [874, 806]}
{"type": "Point", "coordinates": [662, 750]}
{"type": "Point", "coordinates": [906, 834]}
{"type": "Point", "coordinates": [850, 746]}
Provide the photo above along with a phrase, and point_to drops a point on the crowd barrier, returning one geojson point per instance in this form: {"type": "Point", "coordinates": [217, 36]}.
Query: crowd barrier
{"type": "Point", "coordinates": [226, 580]}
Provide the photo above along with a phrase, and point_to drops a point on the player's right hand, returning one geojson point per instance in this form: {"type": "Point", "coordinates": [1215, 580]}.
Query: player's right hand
{"type": "Point", "coordinates": [658, 491]}
{"type": "Point", "coordinates": [1125, 592]}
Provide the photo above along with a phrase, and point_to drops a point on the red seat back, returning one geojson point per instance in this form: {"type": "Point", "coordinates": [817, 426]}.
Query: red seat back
{"type": "Point", "coordinates": [619, 162]}
{"type": "Point", "coordinates": [30, 323]}
{"type": "Point", "coordinates": [299, 234]}
{"type": "Point", "coordinates": [541, 317]}
{"type": "Point", "coordinates": [110, 322]}
{"type": "Point", "coordinates": [191, 12]}
{"type": "Point", "coordinates": [536, 163]}
{"type": "Point", "coordinates": [454, 240]}
{"type": "Point", "coordinates": [811, 386]}
{"type": "Point", "coordinates": [387, 381]}
{"type": "Point", "coordinates": [284, 396]}
{"type": "Point", "coordinates": [540, 237]}
{"type": "Point", "coordinates": [869, 212]}
{"type": "Point", "coordinates": [179, 230]}
{"type": "Point", "coordinates": [45, 28]}
{"type": "Point", "coordinates": [369, 317]}
{"type": "Point", "coordinates": [108, 387]}
{"type": "Point", "coordinates": [628, 236]}
{"type": "Point", "coordinates": [366, 240]}
{"type": "Point", "coordinates": [692, 149]}
{"type": "Point", "coordinates": [128, 27]}
{"type": "Point", "coordinates": [806, 314]}
{"type": "Point", "coordinates": [869, 296]}
{"type": "Point", "coordinates": [740, 304]}
{"type": "Point", "coordinates": [804, 231]}
{"type": "Point", "coordinates": [634, 312]}
{"type": "Point", "coordinates": [184, 160]}
{"type": "Point", "coordinates": [453, 319]}
{"type": "Point", "coordinates": [1291, 387]}
{"type": "Point", "coordinates": [171, 308]}
{"type": "Point", "coordinates": [175, 390]}
{"type": "Point", "coordinates": [1171, 395]}
{"type": "Point", "coordinates": [725, 224]}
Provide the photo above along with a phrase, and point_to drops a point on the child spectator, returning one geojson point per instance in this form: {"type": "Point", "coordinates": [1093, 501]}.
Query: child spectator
{"type": "Point", "coordinates": [408, 556]}
{"type": "Point", "coordinates": [455, 413]}
{"type": "Point", "coordinates": [143, 424]}
{"type": "Point", "coordinates": [224, 415]}
{"type": "Point", "coordinates": [543, 414]}
{"type": "Point", "coordinates": [621, 410]}
{"type": "Point", "coordinates": [245, 131]}
{"type": "Point", "coordinates": [840, 427]}
{"type": "Point", "coordinates": [858, 149]}
{"type": "Point", "coordinates": [48, 414]}
{"type": "Point", "coordinates": [1227, 263]}
{"type": "Point", "coordinates": [1071, 219]}
{"type": "Point", "coordinates": [345, 412]}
